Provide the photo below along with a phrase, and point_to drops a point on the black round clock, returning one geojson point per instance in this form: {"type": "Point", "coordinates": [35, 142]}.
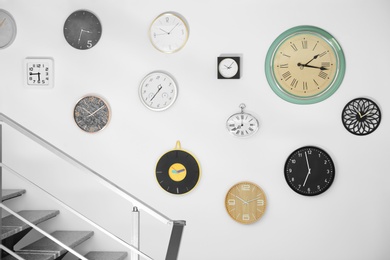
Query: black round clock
{"type": "Point", "coordinates": [177, 171]}
{"type": "Point", "coordinates": [309, 171]}
{"type": "Point", "coordinates": [361, 116]}
{"type": "Point", "coordinates": [82, 30]}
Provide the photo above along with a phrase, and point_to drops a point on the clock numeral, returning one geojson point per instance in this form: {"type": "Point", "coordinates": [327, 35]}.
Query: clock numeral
{"type": "Point", "coordinates": [304, 85]}
{"type": "Point", "coordinates": [231, 202]}
{"type": "Point", "coordinates": [318, 187]}
{"type": "Point", "coordinates": [245, 187]}
{"type": "Point", "coordinates": [315, 82]}
{"type": "Point", "coordinates": [304, 44]}
{"type": "Point", "coordinates": [285, 55]}
{"type": "Point", "coordinates": [325, 64]}
{"type": "Point", "coordinates": [260, 202]}
{"type": "Point", "coordinates": [315, 46]}
{"type": "Point", "coordinates": [286, 75]}
{"type": "Point", "coordinates": [294, 47]}
{"type": "Point", "coordinates": [294, 83]}
{"type": "Point", "coordinates": [283, 66]}
{"type": "Point", "coordinates": [322, 54]}
{"type": "Point", "coordinates": [246, 217]}
{"type": "Point", "coordinates": [322, 75]}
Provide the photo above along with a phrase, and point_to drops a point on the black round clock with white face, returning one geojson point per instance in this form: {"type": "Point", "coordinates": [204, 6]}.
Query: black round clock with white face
{"type": "Point", "coordinates": [91, 114]}
{"type": "Point", "coordinates": [309, 171]}
{"type": "Point", "coordinates": [177, 171]}
{"type": "Point", "coordinates": [82, 30]}
{"type": "Point", "coordinates": [361, 116]}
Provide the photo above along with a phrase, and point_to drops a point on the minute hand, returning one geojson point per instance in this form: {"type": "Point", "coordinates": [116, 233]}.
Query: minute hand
{"type": "Point", "coordinates": [310, 66]}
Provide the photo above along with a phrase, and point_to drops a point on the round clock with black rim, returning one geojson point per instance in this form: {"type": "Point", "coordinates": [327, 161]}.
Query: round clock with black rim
{"type": "Point", "coordinates": [7, 29]}
{"type": "Point", "coordinates": [82, 30]}
{"type": "Point", "coordinates": [305, 65]}
{"type": "Point", "coordinates": [361, 116]}
{"type": "Point", "coordinates": [91, 114]}
{"type": "Point", "coordinates": [309, 171]}
{"type": "Point", "coordinates": [178, 171]}
{"type": "Point", "coordinates": [242, 124]}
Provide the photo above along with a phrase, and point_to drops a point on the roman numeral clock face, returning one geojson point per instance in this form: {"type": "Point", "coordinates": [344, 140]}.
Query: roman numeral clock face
{"type": "Point", "coordinates": [305, 65]}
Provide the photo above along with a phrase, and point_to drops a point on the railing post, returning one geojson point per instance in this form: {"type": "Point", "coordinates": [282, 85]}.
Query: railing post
{"type": "Point", "coordinates": [135, 233]}
{"type": "Point", "coordinates": [1, 182]}
{"type": "Point", "coordinates": [174, 242]}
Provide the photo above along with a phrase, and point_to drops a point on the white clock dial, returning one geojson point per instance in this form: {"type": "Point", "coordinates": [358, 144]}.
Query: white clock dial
{"type": "Point", "coordinates": [39, 72]}
{"type": "Point", "coordinates": [168, 33]}
{"type": "Point", "coordinates": [158, 91]}
{"type": "Point", "coordinates": [228, 68]}
{"type": "Point", "coordinates": [7, 29]}
{"type": "Point", "coordinates": [242, 124]}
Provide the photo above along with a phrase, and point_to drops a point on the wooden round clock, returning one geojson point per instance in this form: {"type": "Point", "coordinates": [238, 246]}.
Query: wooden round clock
{"type": "Point", "coordinates": [245, 202]}
{"type": "Point", "coordinates": [305, 65]}
{"type": "Point", "coordinates": [178, 171]}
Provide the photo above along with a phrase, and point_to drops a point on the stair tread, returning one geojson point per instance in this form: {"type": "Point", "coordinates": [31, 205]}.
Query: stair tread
{"type": "Point", "coordinates": [106, 255]}
{"type": "Point", "coordinates": [12, 193]}
{"type": "Point", "coordinates": [32, 256]}
{"type": "Point", "coordinates": [12, 225]}
{"type": "Point", "coordinates": [69, 238]}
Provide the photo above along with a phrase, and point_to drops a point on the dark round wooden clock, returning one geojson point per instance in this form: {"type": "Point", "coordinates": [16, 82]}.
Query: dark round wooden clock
{"type": "Point", "coordinates": [361, 116]}
{"type": "Point", "coordinates": [177, 171]}
{"type": "Point", "coordinates": [82, 30]}
{"type": "Point", "coordinates": [309, 171]}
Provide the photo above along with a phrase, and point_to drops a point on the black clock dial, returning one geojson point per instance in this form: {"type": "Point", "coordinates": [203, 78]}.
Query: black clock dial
{"type": "Point", "coordinates": [82, 30]}
{"type": "Point", "coordinates": [177, 172]}
{"type": "Point", "coordinates": [309, 171]}
{"type": "Point", "coordinates": [361, 116]}
{"type": "Point", "coordinates": [91, 114]}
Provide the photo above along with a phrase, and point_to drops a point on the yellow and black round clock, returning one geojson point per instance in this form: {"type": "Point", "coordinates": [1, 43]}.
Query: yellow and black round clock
{"type": "Point", "coordinates": [177, 171]}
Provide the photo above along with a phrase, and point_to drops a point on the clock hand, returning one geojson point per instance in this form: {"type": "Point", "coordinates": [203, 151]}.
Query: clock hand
{"type": "Point", "coordinates": [81, 32]}
{"type": "Point", "coordinates": [86, 110]}
{"type": "Point", "coordinates": [309, 66]}
{"type": "Point", "coordinates": [159, 88]}
{"type": "Point", "coordinates": [309, 172]}
{"type": "Point", "coordinates": [253, 199]}
{"type": "Point", "coordinates": [164, 31]}
{"type": "Point", "coordinates": [39, 76]}
{"type": "Point", "coordinates": [239, 198]}
{"type": "Point", "coordinates": [96, 110]}
{"type": "Point", "coordinates": [173, 28]}
{"type": "Point", "coordinates": [364, 114]}
{"type": "Point", "coordinates": [315, 57]}
{"type": "Point", "coordinates": [2, 22]}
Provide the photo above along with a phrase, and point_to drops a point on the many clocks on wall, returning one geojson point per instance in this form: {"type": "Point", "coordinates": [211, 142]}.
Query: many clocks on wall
{"type": "Point", "coordinates": [245, 202]}
{"type": "Point", "coordinates": [169, 32]}
{"type": "Point", "coordinates": [309, 171]}
{"type": "Point", "coordinates": [305, 65]}
{"type": "Point", "coordinates": [7, 29]}
{"type": "Point", "coordinates": [91, 114]}
{"type": "Point", "coordinates": [228, 67]}
{"type": "Point", "coordinates": [82, 30]}
{"type": "Point", "coordinates": [39, 72]}
{"type": "Point", "coordinates": [242, 124]}
{"type": "Point", "coordinates": [361, 116]}
{"type": "Point", "coordinates": [158, 91]}
{"type": "Point", "coordinates": [178, 171]}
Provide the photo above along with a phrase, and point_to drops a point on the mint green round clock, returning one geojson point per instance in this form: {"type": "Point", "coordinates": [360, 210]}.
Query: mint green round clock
{"type": "Point", "coordinates": [305, 65]}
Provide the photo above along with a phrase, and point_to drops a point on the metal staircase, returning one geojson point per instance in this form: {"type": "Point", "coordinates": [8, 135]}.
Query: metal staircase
{"type": "Point", "coordinates": [56, 245]}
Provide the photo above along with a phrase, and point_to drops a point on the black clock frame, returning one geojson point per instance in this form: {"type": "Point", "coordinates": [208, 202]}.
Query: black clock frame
{"type": "Point", "coordinates": [236, 59]}
{"type": "Point", "coordinates": [296, 170]}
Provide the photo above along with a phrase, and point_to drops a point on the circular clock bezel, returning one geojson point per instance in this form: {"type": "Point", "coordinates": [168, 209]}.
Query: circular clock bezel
{"type": "Point", "coordinates": [254, 185]}
{"type": "Point", "coordinates": [13, 28]}
{"type": "Point", "coordinates": [332, 173]}
{"type": "Point", "coordinates": [242, 136]}
{"type": "Point", "coordinates": [108, 114]}
{"type": "Point", "coordinates": [347, 116]}
{"type": "Point", "coordinates": [183, 21]}
{"type": "Point", "coordinates": [147, 77]}
{"type": "Point", "coordinates": [228, 75]}
{"type": "Point", "coordinates": [96, 39]}
{"type": "Point", "coordinates": [333, 85]}
{"type": "Point", "coordinates": [164, 164]}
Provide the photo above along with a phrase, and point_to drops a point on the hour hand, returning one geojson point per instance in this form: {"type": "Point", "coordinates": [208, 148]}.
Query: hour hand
{"type": "Point", "coordinates": [310, 66]}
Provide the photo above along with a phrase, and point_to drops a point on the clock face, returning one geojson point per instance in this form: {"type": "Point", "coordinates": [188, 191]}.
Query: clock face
{"type": "Point", "coordinates": [82, 30]}
{"type": "Point", "coordinates": [361, 116]}
{"type": "Point", "coordinates": [158, 91]}
{"type": "Point", "coordinates": [305, 65]}
{"type": "Point", "coordinates": [309, 171]}
{"type": "Point", "coordinates": [245, 202]}
{"type": "Point", "coordinates": [242, 124]}
{"type": "Point", "coordinates": [169, 32]}
{"type": "Point", "coordinates": [7, 29]}
{"type": "Point", "coordinates": [91, 114]}
{"type": "Point", "coordinates": [228, 68]}
{"type": "Point", "coordinates": [39, 72]}
{"type": "Point", "coordinates": [177, 171]}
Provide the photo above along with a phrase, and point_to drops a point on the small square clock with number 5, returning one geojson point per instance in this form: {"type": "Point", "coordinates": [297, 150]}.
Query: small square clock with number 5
{"type": "Point", "coordinates": [39, 72]}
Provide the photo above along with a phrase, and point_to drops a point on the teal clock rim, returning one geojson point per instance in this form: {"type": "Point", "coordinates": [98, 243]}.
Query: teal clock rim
{"type": "Point", "coordinates": [330, 90]}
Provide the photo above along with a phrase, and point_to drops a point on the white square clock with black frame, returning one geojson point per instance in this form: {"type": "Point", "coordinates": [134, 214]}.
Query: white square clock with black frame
{"type": "Point", "coordinates": [39, 72]}
{"type": "Point", "coordinates": [228, 67]}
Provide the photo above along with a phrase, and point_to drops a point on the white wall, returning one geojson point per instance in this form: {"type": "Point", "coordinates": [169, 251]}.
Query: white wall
{"type": "Point", "coordinates": [349, 221]}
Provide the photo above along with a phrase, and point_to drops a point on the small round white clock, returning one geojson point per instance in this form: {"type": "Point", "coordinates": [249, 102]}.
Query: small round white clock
{"type": "Point", "coordinates": [158, 91]}
{"type": "Point", "coordinates": [169, 32]}
{"type": "Point", "coordinates": [228, 67]}
{"type": "Point", "coordinates": [242, 124]}
{"type": "Point", "coordinates": [7, 29]}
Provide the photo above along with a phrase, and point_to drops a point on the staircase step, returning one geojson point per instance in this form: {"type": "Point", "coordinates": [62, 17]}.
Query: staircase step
{"type": "Point", "coordinates": [46, 246]}
{"type": "Point", "coordinates": [31, 256]}
{"type": "Point", "coordinates": [104, 255]}
{"type": "Point", "coordinates": [12, 193]}
{"type": "Point", "coordinates": [12, 225]}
